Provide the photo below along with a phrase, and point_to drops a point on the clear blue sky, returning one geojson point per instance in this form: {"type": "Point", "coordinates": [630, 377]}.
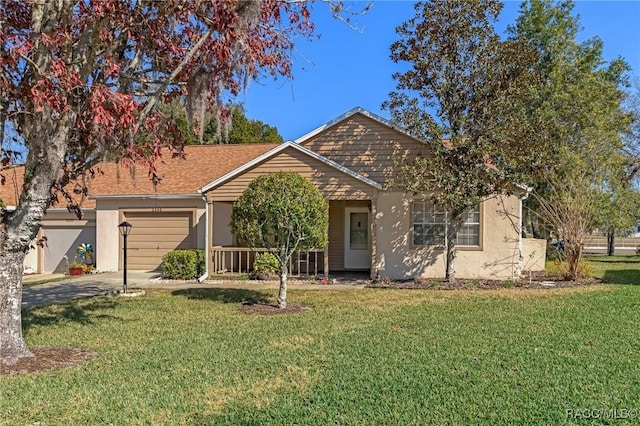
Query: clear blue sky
{"type": "Point", "coordinates": [345, 68]}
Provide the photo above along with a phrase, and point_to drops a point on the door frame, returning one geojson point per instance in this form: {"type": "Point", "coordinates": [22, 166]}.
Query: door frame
{"type": "Point", "coordinates": [363, 262]}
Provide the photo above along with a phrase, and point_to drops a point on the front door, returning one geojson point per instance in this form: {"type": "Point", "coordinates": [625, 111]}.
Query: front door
{"type": "Point", "coordinates": [357, 253]}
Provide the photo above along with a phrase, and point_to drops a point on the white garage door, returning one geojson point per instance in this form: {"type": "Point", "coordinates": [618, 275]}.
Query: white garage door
{"type": "Point", "coordinates": [155, 234]}
{"type": "Point", "coordinates": [64, 240]}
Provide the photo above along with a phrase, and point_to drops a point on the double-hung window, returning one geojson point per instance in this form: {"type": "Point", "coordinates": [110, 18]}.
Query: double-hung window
{"type": "Point", "coordinates": [430, 223]}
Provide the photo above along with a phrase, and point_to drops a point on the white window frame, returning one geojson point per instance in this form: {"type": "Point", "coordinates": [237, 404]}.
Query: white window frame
{"type": "Point", "coordinates": [430, 215]}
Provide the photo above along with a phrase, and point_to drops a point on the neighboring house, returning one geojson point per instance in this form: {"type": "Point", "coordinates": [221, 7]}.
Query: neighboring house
{"type": "Point", "coordinates": [372, 225]}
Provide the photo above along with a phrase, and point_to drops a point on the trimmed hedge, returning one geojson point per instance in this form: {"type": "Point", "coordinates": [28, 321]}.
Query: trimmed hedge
{"type": "Point", "coordinates": [183, 264]}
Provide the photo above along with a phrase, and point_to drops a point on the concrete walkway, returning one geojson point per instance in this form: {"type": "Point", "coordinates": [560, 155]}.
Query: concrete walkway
{"type": "Point", "coordinates": [109, 282]}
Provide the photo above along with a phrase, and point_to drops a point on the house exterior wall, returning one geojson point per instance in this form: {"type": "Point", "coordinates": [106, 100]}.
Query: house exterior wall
{"type": "Point", "coordinates": [332, 183]}
{"type": "Point", "coordinates": [533, 254]}
{"type": "Point", "coordinates": [109, 213]}
{"type": "Point", "coordinates": [366, 146]}
{"type": "Point", "coordinates": [397, 258]}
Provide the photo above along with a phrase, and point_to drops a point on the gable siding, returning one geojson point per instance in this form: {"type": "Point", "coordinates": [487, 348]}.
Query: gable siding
{"type": "Point", "coordinates": [366, 146]}
{"type": "Point", "coordinates": [332, 183]}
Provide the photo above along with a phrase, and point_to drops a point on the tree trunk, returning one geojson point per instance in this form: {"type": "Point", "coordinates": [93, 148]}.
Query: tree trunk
{"type": "Point", "coordinates": [12, 346]}
{"type": "Point", "coordinates": [611, 243]}
{"type": "Point", "coordinates": [47, 141]}
{"type": "Point", "coordinates": [452, 232]}
{"type": "Point", "coordinates": [282, 293]}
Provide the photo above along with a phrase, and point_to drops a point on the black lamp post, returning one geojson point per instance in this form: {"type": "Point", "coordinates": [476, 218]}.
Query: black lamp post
{"type": "Point", "coordinates": [125, 230]}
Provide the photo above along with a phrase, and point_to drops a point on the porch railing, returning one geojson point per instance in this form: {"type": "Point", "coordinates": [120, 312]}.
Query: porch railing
{"type": "Point", "coordinates": [239, 260]}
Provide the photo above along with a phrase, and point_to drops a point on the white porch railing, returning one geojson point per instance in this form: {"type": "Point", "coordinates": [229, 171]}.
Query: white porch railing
{"type": "Point", "coordinates": [239, 260]}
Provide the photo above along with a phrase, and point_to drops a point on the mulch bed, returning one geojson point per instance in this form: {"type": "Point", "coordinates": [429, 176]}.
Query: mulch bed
{"type": "Point", "coordinates": [538, 280]}
{"type": "Point", "coordinates": [47, 358]}
{"type": "Point", "coordinates": [267, 310]}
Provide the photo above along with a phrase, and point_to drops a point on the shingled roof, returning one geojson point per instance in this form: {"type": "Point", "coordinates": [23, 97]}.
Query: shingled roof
{"type": "Point", "coordinates": [202, 165]}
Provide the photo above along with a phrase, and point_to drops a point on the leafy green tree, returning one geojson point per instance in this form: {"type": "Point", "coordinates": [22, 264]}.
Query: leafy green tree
{"type": "Point", "coordinates": [240, 130]}
{"type": "Point", "coordinates": [283, 212]}
{"type": "Point", "coordinates": [460, 87]}
{"type": "Point", "coordinates": [579, 104]}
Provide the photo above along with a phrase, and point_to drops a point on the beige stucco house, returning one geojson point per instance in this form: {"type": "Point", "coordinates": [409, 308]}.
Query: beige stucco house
{"type": "Point", "coordinates": [373, 226]}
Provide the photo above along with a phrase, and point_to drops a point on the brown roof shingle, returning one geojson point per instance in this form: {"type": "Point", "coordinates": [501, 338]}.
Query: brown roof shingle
{"type": "Point", "coordinates": [202, 165]}
{"type": "Point", "coordinates": [12, 188]}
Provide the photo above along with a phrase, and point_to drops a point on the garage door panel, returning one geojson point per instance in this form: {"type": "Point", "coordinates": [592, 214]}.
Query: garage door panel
{"type": "Point", "coordinates": [173, 238]}
{"type": "Point", "coordinates": [155, 234]}
{"type": "Point", "coordinates": [163, 245]}
{"type": "Point", "coordinates": [151, 226]}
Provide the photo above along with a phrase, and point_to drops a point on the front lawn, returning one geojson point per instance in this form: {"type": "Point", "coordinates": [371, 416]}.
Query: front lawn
{"type": "Point", "coordinates": [359, 357]}
{"type": "Point", "coordinates": [615, 269]}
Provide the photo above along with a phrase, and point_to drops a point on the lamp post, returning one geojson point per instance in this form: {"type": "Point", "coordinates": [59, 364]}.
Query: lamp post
{"type": "Point", "coordinates": [125, 230]}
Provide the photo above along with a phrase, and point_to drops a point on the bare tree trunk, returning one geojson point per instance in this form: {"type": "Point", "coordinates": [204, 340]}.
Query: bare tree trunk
{"type": "Point", "coordinates": [611, 243]}
{"type": "Point", "coordinates": [282, 293]}
{"type": "Point", "coordinates": [12, 345]}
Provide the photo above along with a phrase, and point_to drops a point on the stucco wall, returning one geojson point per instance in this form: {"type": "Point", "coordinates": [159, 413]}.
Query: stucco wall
{"type": "Point", "coordinates": [534, 254]}
{"type": "Point", "coordinates": [108, 216]}
{"type": "Point", "coordinates": [396, 258]}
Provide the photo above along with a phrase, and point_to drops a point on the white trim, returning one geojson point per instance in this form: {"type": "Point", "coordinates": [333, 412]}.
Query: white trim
{"type": "Point", "coordinates": [356, 110]}
{"type": "Point", "coordinates": [206, 241]}
{"type": "Point", "coordinates": [279, 149]}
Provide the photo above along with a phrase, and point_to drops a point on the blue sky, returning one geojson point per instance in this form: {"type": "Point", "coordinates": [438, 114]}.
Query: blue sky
{"type": "Point", "coordinates": [345, 68]}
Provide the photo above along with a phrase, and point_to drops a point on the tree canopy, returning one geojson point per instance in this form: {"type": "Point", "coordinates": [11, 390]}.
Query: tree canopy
{"type": "Point", "coordinates": [282, 212]}
{"type": "Point", "coordinates": [460, 94]}
{"type": "Point", "coordinates": [80, 82]}
{"type": "Point", "coordinates": [579, 101]}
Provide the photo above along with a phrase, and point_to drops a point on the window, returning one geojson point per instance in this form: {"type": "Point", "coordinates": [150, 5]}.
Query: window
{"type": "Point", "coordinates": [430, 226]}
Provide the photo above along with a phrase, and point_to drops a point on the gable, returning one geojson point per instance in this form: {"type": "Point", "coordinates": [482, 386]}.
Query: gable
{"type": "Point", "coordinates": [365, 145]}
{"type": "Point", "coordinates": [333, 183]}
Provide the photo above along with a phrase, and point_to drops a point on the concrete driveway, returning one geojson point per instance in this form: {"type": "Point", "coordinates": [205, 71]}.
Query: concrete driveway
{"type": "Point", "coordinates": [109, 282]}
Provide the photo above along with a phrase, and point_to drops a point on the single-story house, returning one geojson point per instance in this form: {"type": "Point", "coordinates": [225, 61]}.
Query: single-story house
{"type": "Point", "coordinates": [373, 226]}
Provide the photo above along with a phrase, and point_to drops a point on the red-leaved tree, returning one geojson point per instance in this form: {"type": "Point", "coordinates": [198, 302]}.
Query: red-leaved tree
{"type": "Point", "coordinates": [79, 84]}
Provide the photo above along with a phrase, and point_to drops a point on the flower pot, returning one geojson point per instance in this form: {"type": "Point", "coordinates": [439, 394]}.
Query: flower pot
{"type": "Point", "coordinates": [76, 271]}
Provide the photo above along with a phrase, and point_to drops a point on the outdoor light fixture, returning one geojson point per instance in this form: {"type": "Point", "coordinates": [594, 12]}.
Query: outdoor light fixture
{"type": "Point", "coordinates": [125, 230]}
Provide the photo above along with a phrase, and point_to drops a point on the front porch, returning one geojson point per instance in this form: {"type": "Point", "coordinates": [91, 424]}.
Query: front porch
{"type": "Point", "coordinates": [240, 260]}
{"type": "Point", "coordinates": [350, 247]}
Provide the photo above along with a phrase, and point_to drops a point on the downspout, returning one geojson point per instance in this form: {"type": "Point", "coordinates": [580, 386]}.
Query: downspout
{"type": "Point", "coordinates": [206, 240]}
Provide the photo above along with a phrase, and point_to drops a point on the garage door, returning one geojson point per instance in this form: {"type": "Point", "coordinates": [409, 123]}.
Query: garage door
{"type": "Point", "coordinates": [63, 240]}
{"type": "Point", "coordinates": [154, 234]}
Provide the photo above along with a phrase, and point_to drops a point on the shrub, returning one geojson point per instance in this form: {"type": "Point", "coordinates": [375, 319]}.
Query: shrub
{"type": "Point", "coordinates": [561, 269]}
{"type": "Point", "coordinates": [183, 264]}
{"type": "Point", "coordinates": [201, 261]}
{"type": "Point", "coordinates": [266, 264]}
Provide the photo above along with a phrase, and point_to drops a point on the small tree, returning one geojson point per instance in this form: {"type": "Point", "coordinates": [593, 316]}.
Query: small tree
{"type": "Point", "coordinates": [460, 85]}
{"type": "Point", "coordinates": [283, 212]}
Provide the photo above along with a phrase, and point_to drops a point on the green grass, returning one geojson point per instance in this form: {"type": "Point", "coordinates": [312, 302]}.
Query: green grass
{"type": "Point", "coordinates": [615, 269]}
{"type": "Point", "coordinates": [365, 357]}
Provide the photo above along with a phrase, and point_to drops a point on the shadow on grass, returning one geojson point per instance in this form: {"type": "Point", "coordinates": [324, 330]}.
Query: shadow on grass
{"type": "Point", "coordinates": [79, 312]}
{"type": "Point", "coordinates": [224, 295]}
{"type": "Point", "coordinates": [622, 276]}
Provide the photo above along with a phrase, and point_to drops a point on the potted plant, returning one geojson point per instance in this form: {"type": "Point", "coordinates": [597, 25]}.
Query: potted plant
{"type": "Point", "coordinates": [265, 266]}
{"type": "Point", "coordinates": [75, 267]}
